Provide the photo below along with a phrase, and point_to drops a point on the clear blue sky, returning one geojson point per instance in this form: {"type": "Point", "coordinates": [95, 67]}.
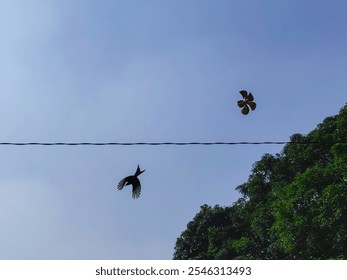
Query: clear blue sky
{"type": "Point", "coordinates": [154, 70]}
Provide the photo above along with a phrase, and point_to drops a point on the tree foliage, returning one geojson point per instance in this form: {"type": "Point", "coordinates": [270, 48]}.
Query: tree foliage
{"type": "Point", "coordinates": [293, 206]}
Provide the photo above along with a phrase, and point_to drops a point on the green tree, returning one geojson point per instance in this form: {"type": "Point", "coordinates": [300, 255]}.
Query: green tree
{"type": "Point", "coordinates": [293, 206]}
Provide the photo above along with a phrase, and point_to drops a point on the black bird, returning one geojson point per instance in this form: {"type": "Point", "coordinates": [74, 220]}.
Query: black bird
{"type": "Point", "coordinates": [132, 180]}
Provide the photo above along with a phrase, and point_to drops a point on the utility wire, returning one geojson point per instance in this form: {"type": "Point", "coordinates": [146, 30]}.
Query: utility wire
{"type": "Point", "coordinates": [157, 143]}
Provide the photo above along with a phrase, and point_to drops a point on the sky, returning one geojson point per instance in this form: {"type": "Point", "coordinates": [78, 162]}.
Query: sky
{"type": "Point", "coordinates": [149, 71]}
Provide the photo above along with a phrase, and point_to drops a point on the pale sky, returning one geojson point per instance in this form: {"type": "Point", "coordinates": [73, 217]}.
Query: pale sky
{"type": "Point", "coordinates": [149, 71]}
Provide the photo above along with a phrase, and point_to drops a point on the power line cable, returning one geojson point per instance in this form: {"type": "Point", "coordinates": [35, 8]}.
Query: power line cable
{"type": "Point", "coordinates": [159, 143]}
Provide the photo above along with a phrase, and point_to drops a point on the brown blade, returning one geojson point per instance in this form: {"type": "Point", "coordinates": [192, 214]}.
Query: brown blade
{"type": "Point", "coordinates": [244, 94]}
{"type": "Point", "coordinates": [250, 97]}
{"type": "Point", "coordinates": [252, 104]}
{"type": "Point", "coordinates": [241, 103]}
{"type": "Point", "coordinates": [245, 110]}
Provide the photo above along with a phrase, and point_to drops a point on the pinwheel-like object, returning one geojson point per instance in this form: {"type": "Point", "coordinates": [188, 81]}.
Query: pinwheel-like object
{"type": "Point", "coordinates": [247, 102]}
{"type": "Point", "coordinates": [134, 181]}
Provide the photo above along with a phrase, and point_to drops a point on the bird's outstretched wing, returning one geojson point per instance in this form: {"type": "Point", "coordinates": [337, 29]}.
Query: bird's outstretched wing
{"type": "Point", "coordinates": [122, 183]}
{"type": "Point", "coordinates": [136, 188]}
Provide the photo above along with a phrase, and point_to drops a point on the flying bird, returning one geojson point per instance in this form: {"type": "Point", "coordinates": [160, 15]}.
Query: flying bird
{"type": "Point", "coordinates": [134, 181]}
{"type": "Point", "coordinates": [246, 102]}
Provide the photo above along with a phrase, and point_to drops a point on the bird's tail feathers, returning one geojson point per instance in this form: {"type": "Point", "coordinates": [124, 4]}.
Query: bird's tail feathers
{"type": "Point", "coordinates": [138, 171]}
